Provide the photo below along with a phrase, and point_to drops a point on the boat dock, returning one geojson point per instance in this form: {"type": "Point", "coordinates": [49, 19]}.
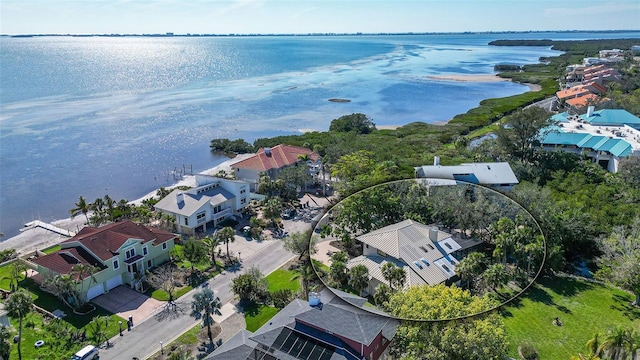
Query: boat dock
{"type": "Point", "coordinates": [47, 226]}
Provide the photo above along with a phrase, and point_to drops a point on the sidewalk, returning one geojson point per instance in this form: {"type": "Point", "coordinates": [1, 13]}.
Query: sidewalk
{"type": "Point", "coordinates": [164, 326]}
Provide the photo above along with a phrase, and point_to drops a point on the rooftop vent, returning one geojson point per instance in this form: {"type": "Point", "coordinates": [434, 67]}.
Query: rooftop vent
{"type": "Point", "coordinates": [436, 160]}
{"type": "Point", "coordinates": [417, 264]}
{"type": "Point", "coordinates": [433, 233]}
{"type": "Point", "coordinates": [425, 261]}
{"type": "Point", "coordinates": [267, 151]}
{"type": "Point", "coordinates": [314, 298]}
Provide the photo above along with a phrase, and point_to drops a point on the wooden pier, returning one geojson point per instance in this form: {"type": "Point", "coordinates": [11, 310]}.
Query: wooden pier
{"type": "Point", "coordinates": [47, 226]}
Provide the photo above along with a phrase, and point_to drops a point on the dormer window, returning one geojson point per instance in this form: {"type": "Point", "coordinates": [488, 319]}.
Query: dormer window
{"type": "Point", "coordinates": [145, 251]}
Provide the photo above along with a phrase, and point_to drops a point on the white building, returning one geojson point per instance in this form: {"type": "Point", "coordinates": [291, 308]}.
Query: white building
{"type": "Point", "coordinates": [496, 175]}
{"type": "Point", "coordinates": [211, 201]}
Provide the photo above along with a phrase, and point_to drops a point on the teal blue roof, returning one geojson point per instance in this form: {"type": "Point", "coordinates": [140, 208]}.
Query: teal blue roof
{"type": "Point", "coordinates": [560, 138]}
{"type": "Point", "coordinates": [616, 147]}
{"type": "Point", "coordinates": [612, 117]}
{"type": "Point", "coordinates": [561, 117]}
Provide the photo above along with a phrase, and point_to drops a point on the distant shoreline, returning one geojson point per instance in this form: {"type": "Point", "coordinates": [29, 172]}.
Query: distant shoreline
{"type": "Point", "coordinates": [170, 34]}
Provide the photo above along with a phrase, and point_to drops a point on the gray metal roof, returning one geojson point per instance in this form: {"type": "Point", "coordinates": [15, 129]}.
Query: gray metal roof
{"type": "Point", "coordinates": [409, 242]}
{"type": "Point", "coordinates": [192, 202]}
{"type": "Point", "coordinates": [240, 346]}
{"type": "Point", "coordinates": [486, 173]}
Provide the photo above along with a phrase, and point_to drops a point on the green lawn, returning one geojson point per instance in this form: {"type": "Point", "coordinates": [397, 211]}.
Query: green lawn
{"type": "Point", "coordinates": [57, 345]}
{"type": "Point", "coordinates": [257, 315]}
{"type": "Point", "coordinates": [51, 249]}
{"type": "Point", "coordinates": [5, 277]}
{"type": "Point", "coordinates": [162, 295]}
{"type": "Point", "coordinates": [584, 308]}
{"type": "Point", "coordinates": [284, 279]}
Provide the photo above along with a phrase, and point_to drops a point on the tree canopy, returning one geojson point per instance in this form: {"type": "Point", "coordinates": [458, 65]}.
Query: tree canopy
{"type": "Point", "coordinates": [357, 123]}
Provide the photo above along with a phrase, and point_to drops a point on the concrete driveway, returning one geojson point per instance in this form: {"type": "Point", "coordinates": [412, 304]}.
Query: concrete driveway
{"type": "Point", "coordinates": [126, 302]}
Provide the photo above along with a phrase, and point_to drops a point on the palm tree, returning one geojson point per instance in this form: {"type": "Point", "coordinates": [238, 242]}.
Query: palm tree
{"type": "Point", "coordinates": [359, 278]}
{"type": "Point", "coordinates": [226, 235]}
{"type": "Point", "coordinates": [398, 278]}
{"type": "Point", "coordinates": [15, 271]}
{"type": "Point", "coordinates": [593, 345]}
{"type": "Point", "coordinates": [615, 343]}
{"type": "Point", "coordinates": [19, 305]}
{"type": "Point", "coordinates": [82, 207]}
{"type": "Point", "coordinates": [110, 203]}
{"type": "Point", "coordinates": [211, 244]}
{"type": "Point", "coordinates": [79, 273]}
{"type": "Point", "coordinates": [98, 208]}
{"type": "Point", "coordinates": [124, 207]}
{"type": "Point", "coordinates": [387, 271]}
{"type": "Point", "coordinates": [495, 275]}
{"type": "Point", "coordinates": [306, 275]}
{"type": "Point", "coordinates": [470, 267]}
{"type": "Point", "coordinates": [204, 306]}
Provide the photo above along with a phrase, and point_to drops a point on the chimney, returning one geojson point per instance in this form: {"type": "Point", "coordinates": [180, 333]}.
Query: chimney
{"type": "Point", "coordinates": [180, 197]}
{"type": "Point", "coordinates": [267, 151]}
{"type": "Point", "coordinates": [436, 160]}
{"type": "Point", "coordinates": [590, 110]}
{"type": "Point", "coordinates": [433, 234]}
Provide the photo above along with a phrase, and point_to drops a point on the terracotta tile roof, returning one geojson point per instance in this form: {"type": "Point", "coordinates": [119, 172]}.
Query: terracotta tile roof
{"type": "Point", "coordinates": [572, 92]}
{"type": "Point", "coordinates": [104, 241]}
{"type": "Point", "coordinates": [585, 100]}
{"type": "Point", "coordinates": [63, 260]}
{"type": "Point", "coordinates": [276, 157]}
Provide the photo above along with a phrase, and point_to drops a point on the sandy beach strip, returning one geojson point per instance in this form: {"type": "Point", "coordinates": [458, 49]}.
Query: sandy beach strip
{"type": "Point", "coordinates": [38, 238]}
{"type": "Point", "coordinates": [479, 78]}
{"type": "Point", "coordinates": [468, 77]}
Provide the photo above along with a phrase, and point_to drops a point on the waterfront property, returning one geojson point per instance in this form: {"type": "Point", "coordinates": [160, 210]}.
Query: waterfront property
{"type": "Point", "coordinates": [121, 253]}
{"type": "Point", "coordinates": [496, 175]}
{"type": "Point", "coordinates": [204, 206]}
{"type": "Point", "coordinates": [314, 330]}
{"type": "Point", "coordinates": [271, 161]}
{"type": "Point", "coordinates": [427, 255]}
{"type": "Point", "coordinates": [604, 136]}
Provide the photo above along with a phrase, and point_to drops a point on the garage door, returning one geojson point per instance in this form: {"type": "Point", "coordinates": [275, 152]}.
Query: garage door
{"type": "Point", "coordinates": [114, 281]}
{"type": "Point", "coordinates": [95, 291]}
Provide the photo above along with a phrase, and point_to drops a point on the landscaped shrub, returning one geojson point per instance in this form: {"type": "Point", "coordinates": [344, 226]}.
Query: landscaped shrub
{"type": "Point", "coordinates": [528, 352]}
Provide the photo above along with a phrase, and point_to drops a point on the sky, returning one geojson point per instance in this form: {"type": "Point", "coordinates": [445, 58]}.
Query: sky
{"type": "Point", "coordinates": [310, 16]}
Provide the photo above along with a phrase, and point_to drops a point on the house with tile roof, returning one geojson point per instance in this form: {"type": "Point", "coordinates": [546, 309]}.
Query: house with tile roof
{"type": "Point", "coordinates": [580, 90]}
{"type": "Point", "coordinates": [579, 103]}
{"type": "Point", "coordinates": [331, 330]}
{"type": "Point", "coordinates": [202, 207]}
{"type": "Point", "coordinates": [272, 160]}
{"type": "Point", "coordinates": [428, 255]}
{"type": "Point", "coordinates": [121, 252]}
{"type": "Point", "coordinates": [604, 136]}
{"type": "Point", "coordinates": [496, 175]}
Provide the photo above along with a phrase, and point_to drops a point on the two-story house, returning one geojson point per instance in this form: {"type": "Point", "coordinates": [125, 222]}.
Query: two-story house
{"type": "Point", "coordinates": [272, 161]}
{"type": "Point", "coordinates": [335, 330]}
{"type": "Point", "coordinates": [202, 207]}
{"type": "Point", "coordinates": [120, 251]}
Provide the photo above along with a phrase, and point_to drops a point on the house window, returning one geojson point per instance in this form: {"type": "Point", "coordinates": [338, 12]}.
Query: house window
{"type": "Point", "coordinates": [148, 264]}
{"type": "Point", "coordinates": [145, 251]}
{"type": "Point", "coordinates": [381, 253]}
{"type": "Point", "coordinates": [243, 191]}
{"type": "Point", "coordinates": [130, 253]}
{"type": "Point", "coordinates": [243, 201]}
{"type": "Point", "coordinates": [201, 215]}
{"type": "Point", "coordinates": [116, 264]}
{"type": "Point", "coordinates": [186, 221]}
{"type": "Point", "coordinates": [164, 246]}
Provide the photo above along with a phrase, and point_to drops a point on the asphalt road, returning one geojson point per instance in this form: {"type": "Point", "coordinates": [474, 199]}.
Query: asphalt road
{"type": "Point", "coordinates": [144, 339]}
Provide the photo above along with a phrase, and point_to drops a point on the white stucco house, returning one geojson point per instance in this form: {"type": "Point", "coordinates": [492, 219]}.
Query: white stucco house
{"type": "Point", "coordinates": [202, 207]}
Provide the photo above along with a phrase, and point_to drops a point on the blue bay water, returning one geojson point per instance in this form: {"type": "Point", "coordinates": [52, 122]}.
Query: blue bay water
{"type": "Point", "coordinates": [115, 115]}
